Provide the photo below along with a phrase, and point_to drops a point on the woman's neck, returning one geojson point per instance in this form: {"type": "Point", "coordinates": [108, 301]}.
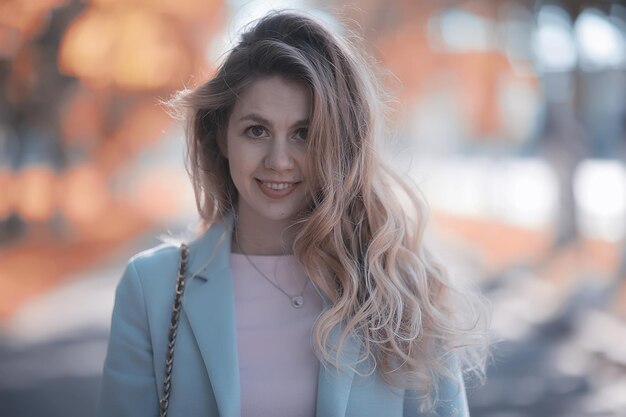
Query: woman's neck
{"type": "Point", "coordinates": [262, 238]}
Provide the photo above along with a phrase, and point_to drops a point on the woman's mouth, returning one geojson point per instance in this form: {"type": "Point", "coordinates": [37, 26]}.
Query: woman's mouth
{"type": "Point", "coordinates": [276, 189]}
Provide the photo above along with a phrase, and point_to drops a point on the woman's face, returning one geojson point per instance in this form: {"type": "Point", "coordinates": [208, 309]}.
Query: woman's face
{"type": "Point", "coordinates": [266, 150]}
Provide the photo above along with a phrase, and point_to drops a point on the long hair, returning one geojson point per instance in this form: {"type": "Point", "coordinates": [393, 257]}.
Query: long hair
{"type": "Point", "coordinates": [360, 240]}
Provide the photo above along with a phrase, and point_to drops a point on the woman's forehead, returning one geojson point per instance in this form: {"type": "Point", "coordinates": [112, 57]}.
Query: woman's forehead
{"type": "Point", "coordinates": [275, 98]}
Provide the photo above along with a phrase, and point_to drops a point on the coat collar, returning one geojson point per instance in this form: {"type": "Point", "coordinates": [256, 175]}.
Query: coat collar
{"type": "Point", "coordinates": [209, 306]}
{"type": "Point", "coordinates": [210, 252]}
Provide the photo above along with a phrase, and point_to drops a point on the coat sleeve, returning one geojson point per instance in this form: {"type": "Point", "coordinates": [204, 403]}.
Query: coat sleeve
{"type": "Point", "coordinates": [128, 382]}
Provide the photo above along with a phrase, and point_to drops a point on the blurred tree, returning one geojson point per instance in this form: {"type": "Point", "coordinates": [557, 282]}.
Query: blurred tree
{"type": "Point", "coordinates": [81, 82]}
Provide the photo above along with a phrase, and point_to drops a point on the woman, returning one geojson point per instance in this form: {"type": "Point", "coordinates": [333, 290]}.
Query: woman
{"type": "Point", "coordinates": [311, 292]}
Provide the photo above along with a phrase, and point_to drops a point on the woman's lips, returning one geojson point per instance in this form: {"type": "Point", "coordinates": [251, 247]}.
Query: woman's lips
{"type": "Point", "coordinates": [276, 190]}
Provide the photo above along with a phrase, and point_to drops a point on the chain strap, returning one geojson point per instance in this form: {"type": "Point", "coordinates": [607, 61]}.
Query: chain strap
{"type": "Point", "coordinates": [169, 357]}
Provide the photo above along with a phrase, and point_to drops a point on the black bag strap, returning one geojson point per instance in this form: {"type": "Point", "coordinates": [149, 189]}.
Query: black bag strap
{"type": "Point", "coordinates": [169, 357]}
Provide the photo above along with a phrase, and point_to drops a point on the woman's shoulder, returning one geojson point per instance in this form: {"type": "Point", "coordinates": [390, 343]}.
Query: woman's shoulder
{"type": "Point", "coordinates": [161, 262]}
{"type": "Point", "coordinates": [156, 256]}
{"type": "Point", "coordinates": [153, 266]}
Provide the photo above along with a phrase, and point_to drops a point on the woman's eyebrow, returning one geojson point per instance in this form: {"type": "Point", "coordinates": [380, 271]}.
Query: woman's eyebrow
{"type": "Point", "coordinates": [257, 118]}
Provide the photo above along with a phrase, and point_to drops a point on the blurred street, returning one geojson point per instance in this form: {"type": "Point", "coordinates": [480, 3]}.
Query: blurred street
{"type": "Point", "coordinates": [52, 349]}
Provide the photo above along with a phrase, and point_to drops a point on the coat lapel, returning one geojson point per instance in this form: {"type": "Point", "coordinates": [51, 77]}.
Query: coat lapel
{"type": "Point", "coordinates": [334, 385]}
{"type": "Point", "coordinates": [209, 306]}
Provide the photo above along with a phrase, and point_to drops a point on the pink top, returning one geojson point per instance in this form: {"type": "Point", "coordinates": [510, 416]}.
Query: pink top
{"type": "Point", "coordinates": [278, 369]}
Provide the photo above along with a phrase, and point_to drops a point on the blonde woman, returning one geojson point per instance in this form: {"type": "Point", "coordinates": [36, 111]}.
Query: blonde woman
{"type": "Point", "coordinates": [311, 292]}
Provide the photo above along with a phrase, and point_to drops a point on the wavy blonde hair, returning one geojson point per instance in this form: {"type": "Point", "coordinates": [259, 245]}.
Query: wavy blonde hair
{"type": "Point", "coordinates": [361, 238]}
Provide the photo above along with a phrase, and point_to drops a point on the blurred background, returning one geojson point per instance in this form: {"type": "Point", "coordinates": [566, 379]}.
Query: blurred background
{"type": "Point", "coordinates": [511, 117]}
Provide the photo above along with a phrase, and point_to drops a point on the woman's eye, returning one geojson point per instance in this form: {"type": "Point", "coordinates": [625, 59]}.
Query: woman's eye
{"type": "Point", "coordinates": [302, 133]}
{"type": "Point", "coordinates": [256, 131]}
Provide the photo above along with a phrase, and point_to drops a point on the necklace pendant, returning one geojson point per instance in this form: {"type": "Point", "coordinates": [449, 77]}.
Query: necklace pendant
{"type": "Point", "coordinates": [297, 301]}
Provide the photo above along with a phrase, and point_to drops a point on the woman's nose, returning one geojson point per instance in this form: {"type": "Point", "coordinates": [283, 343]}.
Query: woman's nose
{"type": "Point", "coordinates": [278, 157]}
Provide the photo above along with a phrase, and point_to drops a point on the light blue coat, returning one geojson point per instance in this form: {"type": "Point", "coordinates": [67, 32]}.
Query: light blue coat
{"type": "Point", "coordinates": [206, 371]}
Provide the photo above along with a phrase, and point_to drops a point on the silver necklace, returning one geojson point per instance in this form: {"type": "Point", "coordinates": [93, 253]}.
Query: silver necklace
{"type": "Point", "coordinates": [297, 301]}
